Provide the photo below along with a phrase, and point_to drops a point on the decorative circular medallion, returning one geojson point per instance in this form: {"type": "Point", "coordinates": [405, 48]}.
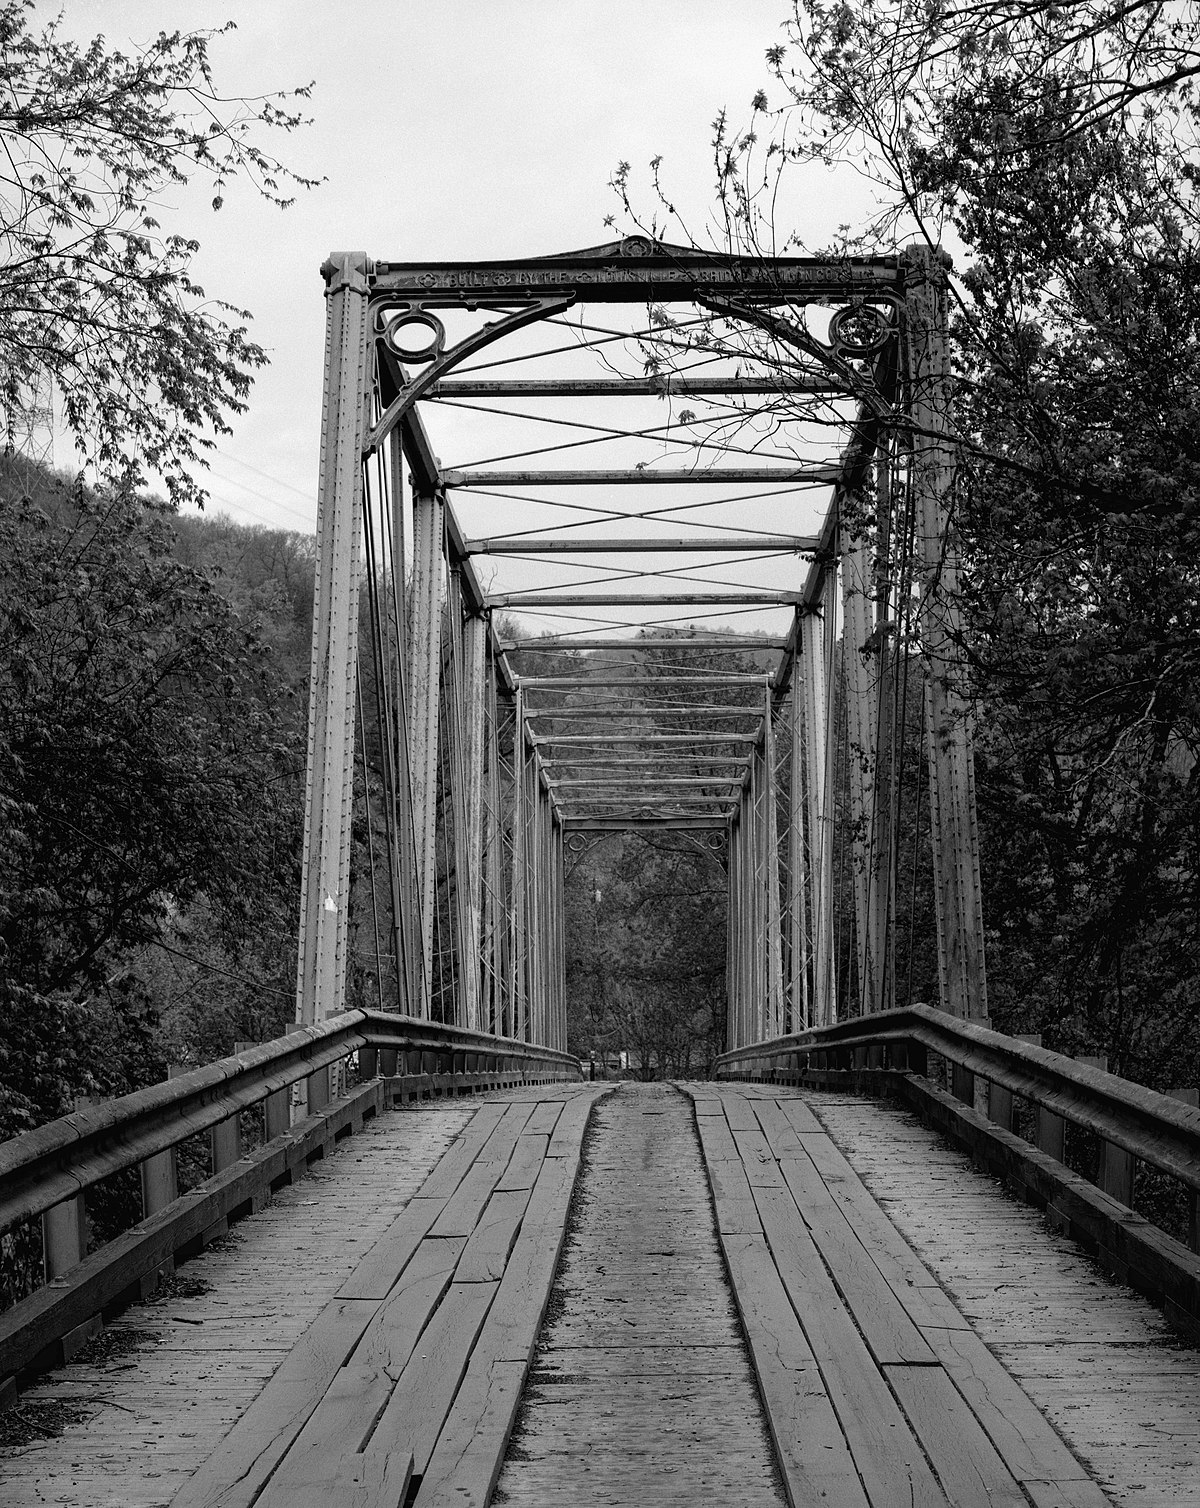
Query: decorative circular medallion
{"type": "Point", "coordinates": [859, 330]}
{"type": "Point", "coordinates": [414, 335]}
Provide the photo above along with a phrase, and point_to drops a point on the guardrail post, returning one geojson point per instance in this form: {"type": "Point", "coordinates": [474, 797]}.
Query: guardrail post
{"type": "Point", "coordinates": [160, 1172]}
{"type": "Point", "coordinates": [368, 1064]}
{"type": "Point", "coordinates": [1000, 1106]}
{"type": "Point", "coordinates": [318, 1090]}
{"type": "Point", "coordinates": [1190, 1097]}
{"type": "Point", "coordinates": [64, 1237]}
{"type": "Point", "coordinates": [225, 1138]}
{"type": "Point", "coordinates": [1115, 1172]}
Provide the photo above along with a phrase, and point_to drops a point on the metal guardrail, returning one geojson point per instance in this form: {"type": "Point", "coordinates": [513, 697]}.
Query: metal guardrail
{"type": "Point", "coordinates": [1153, 1127]}
{"type": "Point", "coordinates": [53, 1163]}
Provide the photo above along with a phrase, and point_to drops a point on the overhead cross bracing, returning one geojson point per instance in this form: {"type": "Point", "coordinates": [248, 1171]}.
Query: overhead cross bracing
{"type": "Point", "coordinates": [590, 493]}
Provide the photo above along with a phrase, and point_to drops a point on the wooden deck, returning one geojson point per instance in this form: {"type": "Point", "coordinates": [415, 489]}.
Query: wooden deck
{"type": "Point", "coordinates": [642, 1391]}
{"type": "Point", "coordinates": [916, 1338]}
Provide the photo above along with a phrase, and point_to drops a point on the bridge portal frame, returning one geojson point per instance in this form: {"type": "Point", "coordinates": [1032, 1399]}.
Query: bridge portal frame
{"type": "Point", "coordinates": [509, 940]}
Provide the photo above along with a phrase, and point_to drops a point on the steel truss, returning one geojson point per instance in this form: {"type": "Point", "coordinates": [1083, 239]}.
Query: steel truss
{"type": "Point", "coordinates": [478, 780]}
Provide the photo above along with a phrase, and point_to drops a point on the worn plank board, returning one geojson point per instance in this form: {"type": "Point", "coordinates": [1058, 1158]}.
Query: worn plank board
{"type": "Point", "coordinates": [464, 1207]}
{"type": "Point", "coordinates": [1096, 1360]}
{"type": "Point", "coordinates": [879, 1314]}
{"type": "Point", "coordinates": [1030, 1448]}
{"type": "Point", "coordinates": [890, 1460]}
{"type": "Point", "coordinates": [779, 1131]}
{"type": "Point", "coordinates": [525, 1163]}
{"type": "Point", "coordinates": [421, 1399]}
{"type": "Point", "coordinates": [486, 1253]}
{"type": "Point", "coordinates": [376, 1274]}
{"type": "Point", "coordinates": [737, 1214]}
{"type": "Point", "coordinates": [470, 1449]}
{"type": "Point", "coordinates": [545, 1117]}
{"type": "Point", "coordinates": [760, 1163]}
{"type": "Point", "coordinates": [803, 1121]}
{"type": "Point", "coordinates": [965, 1460]}
{"type": "Point", "coordinates": [717, 1140]}
{"type": "Point", "coordinates": [809, 1443]}
{"type": "Point", "coordinates": [233, 1476]}
{"type": "Point", "coordinates": [389, 1340]}
{"type": "Point", "coordinates": [500, 1146]}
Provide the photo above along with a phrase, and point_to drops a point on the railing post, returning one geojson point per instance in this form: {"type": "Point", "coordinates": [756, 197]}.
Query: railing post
{"type": "Point", "coordinates": [1190, 1097]}
{"type": "Point", "coordinates": [1000, 1106]}
{"type": "Point", "coordinates": [1116, 1169]}
{"type": "Point", "coordinates": [64, 1228]}
{"type": "Point", "coordinates": [64, 1237]}
{"type": "Point", "coordinates": [160, 1172]}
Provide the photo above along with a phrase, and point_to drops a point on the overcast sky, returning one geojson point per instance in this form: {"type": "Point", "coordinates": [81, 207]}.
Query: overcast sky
{"type": "Point", "coordinates": [451, 129]}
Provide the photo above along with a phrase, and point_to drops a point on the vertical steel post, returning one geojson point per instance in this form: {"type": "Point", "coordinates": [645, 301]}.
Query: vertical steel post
{"type": "Point", "coordinates": [329, 783]}
{"type": "Point", "coordinates": [955, 832]}
{"type": "Point", "coordinates": [517, 916]}
{"type": "Point", "coordinates": [474, 700]}
{"type": "Point", "coordinates": [424, 683]}
{"type": "Point", "coordinates": [817, 636]}
{"type": "Point", "coordinates": [407, 903]}
{"type": "Point", "coordinates": [774, 913]}
{"type": "Point", "coordinates": [798, 931]}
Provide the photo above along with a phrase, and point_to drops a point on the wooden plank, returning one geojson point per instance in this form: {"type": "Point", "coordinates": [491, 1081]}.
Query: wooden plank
{"type": "Point", "coordinates": [469, 1200]}
{"type": "Point", "coordinates": [809, 1444]}
{"type": "Point", "coordinates": [964, 1458]}
{"type": "Point", "coordinates": [736, 1210]}
{"type": "Point", "coordinates": [422, 1397]}
{"type": "Point", "coordinates": [463, 1151]}
{"type": "Point", "coordinates": [500, 1146]}
{"type": "Point", "coordinates": [526, 1162]}
{"type": "Point", "coordinates": [779, 1131]}
{"type": "Point", "coordinates": [717, 1140]}
{"type": "Point", "coordinates": [739, 1112]}
{"type": "Point", "coordinates": [1084, 1494]}
{"type": "Point", "coordinates": [544, 1118]}
{"type": "Point", "coordinates": [376, 1274]}
{"type": "Point", "coordinates": [470, 1450]}
{"type": "Point", "coordinates": [890, 1251]}
{"type": "Point", "coordinates": [234, 1475]}
{"type": "Point", "coordinates": [568, 1133]}
{"type": "Point", "coordinates": [762, 1168]}
{"type": "Point", "coordinates": [803, 1121]}
{"type": "Point", "coordinates": [389, 1340]}
{"type": "Point", "coordinates": [486, 1254]}
{"type": "Point", "coordinates": [337, 1430]}
{"type": "Point", "coordinates": [879, 1314]}
{"type": "Point", "coordinates": [889, 1459]}
{"type": "Point", "coordinates": [372, 1479]}
{"type": "Point", "coordinates": [1030, 1448]}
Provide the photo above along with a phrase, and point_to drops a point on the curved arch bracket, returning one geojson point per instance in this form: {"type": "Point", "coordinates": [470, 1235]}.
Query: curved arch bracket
{"type": "Point", "coordinates": [445, 361]}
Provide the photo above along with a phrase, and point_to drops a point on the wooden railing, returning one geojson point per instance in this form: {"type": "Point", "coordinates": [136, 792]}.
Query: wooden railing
{"type": "Point", "coordinates": [46, 1172]}
{"type": "Point", "coordinates": [908, 1053]}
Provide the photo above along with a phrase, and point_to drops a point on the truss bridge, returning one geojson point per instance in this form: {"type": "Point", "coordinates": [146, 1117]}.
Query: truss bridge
{"type": "Point", "coordinates": [640, 541]}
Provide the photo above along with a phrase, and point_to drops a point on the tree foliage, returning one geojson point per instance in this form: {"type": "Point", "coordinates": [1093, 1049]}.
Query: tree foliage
{"type": "Point", "coordinates": [94, 292]}
{"type": "Point", "coordinates": [149, 743]}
